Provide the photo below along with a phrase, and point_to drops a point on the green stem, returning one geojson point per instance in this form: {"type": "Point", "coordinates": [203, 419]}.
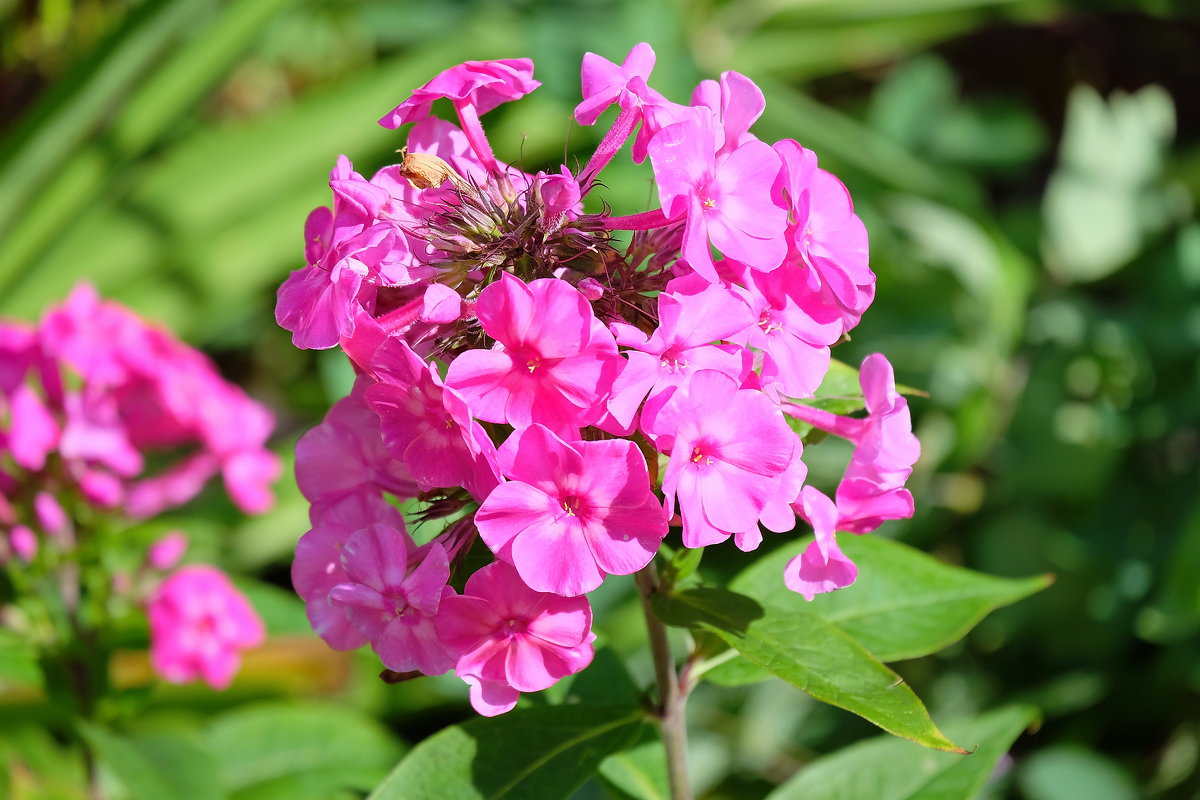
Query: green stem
{"type": "Point", "coordinates": [672, 721]}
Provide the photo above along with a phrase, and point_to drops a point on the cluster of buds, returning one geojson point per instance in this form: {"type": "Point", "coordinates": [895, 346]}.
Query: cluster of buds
{"type": "Point", "coordinates": [563, 397]}
{"type": "Point", "coordinates": [105, 421]}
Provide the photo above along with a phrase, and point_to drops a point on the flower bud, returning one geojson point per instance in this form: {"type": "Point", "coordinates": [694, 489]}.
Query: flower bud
{"type": "Point", "coordinates": [425, 171]}
{"type": "Point", "coordinates": [166, 552]}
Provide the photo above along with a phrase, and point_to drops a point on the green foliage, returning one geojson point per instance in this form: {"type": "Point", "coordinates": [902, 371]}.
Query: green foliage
{"type": "Point", "coordinates": [280, 750]}
{"type": "Point", "coordinates": [535, 753]}
{"type": "Point", "coordinates": [887, 769]}
{"type": "Point", "coordinates": [809, 653]}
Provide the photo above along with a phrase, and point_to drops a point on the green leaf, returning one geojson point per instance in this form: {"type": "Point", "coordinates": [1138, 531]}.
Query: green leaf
{"type": "Point", "coordinates": [641, 771]}
{"type": "Point", "coordinates": [905, 604]}
{"type": "Point", "coordinates": [535, 753]}
{"type": "Point", "coordinates": [318, 749]}
{"type": "Point", "coordinates": [1068, 771]}
{"type": "Point", "coordinates": [811, 654]}
{"type": "Point", "coordinates": [18, 662]}
{"type": "Point", "coordinates": [154, 767]}
{"type": "Point", "coordinates": [886, 769]}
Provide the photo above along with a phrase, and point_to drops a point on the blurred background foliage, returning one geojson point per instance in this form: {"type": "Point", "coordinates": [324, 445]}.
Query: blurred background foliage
{"type": "Point", "coordinates": [1027, 169]}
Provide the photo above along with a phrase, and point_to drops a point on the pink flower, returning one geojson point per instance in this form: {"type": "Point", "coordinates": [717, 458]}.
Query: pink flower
{"type": "Point", "coordinates": [199, 624]}
{"type": "Point", "coordinates": [736, 103]}
{"type": "Point", "coordinates": [822, 567]}
{"type": "Point", "coordinates": [428, 426]}
{"type": "Point", "coordinates": [317, 567]}
{"type": "Point", "coordinates": [480, 84]}
{"type": "Point", "coordinates": [794, 329]}
{"type": "Point", "coordinates": [571, 513]}
{"type": "Point", "coordinates": [826, 234]}
{"type": "Point", "coordinates": [167, 550]}
{"type": "Point", "coordinates": [729, 450]}
{"type": "Point", "coordinates": [682, 344]}
{"type": "Point", "coordinates": [872, 488]}
{"type": "Point", "coordinates": [605, 83]}
{"type": "Point", "coordinates": [507, 638]}
{"type": "Point", "coordinates": [554, 363]}
{"type": "Point", "coordinates": [723, 198]}
{"type": "Point", "coordinates": [24, 542]}
{"type": "Point", "coordinates": [346, 454]}
{"type": "Point", "coordinates": [392, 598]}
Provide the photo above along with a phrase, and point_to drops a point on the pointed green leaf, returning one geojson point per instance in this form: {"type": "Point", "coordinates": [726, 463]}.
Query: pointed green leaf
{"type": "Point", "coordinates": [535, 753]}
{"type": "Point", "coordinates": [809, 653]}
{"type": "Point", "coordinates": [884, 768]}
{"type": "Point", "coordinates": [905, 604]}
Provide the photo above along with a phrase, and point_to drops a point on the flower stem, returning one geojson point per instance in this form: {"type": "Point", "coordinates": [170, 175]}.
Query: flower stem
{"type": "Point", "coordinates": [672, 721]}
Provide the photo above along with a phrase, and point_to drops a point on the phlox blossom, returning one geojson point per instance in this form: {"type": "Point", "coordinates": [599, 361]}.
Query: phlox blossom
{"type": "Point", "coordinates": [571, 513]}
{"type": "Point", "coordinates": [199, 624]}
{"type": "Point", "coordinates": [822, 567]}
{"type": "Point", "coordinates": [507, 638]}
{"type": "Point", "coordinates": [721, 197]}
{"type": "Point", "coordinates": [554, 363]}
{"type": "Point", "coordinates": [729, 450]}
{"type": "Point", "coordinates": [393, 598]}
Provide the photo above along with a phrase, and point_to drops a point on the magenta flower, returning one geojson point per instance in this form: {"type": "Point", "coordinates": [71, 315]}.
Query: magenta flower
{"type": "Point", "coordinates": [722, 198]}
{"type": "Point", "coordinates": [199, 624]}
{"type": "Point", "coordinates": [826, 234]}
{"type": "Point", "coordinates": [571, 513]}
{"type": "Point", "coordinates": [729, 449]}
{"type": "Point", "coordinates": [683, 343]}
{"type": "Point", "coordinates": [822, 567]}
{"type": "Point", "coordinates": [346, 454]}
{"type": "Point", "coordinates": [317, 567]}
{"type": "Point", "coordinates": [605, 83]}
{"type": "Point", "coordinates": [554, 363]}
{"type": "Point", "coordinates": [507, 638]}
{"type": "Point", "coordinates": [428, 426]}
{"type": "Point", "coordinates": [480, 84]}
{"type": "Point", "coordinates": [392, 597]}
{"type": "Point", "coordinates": [736, 103]}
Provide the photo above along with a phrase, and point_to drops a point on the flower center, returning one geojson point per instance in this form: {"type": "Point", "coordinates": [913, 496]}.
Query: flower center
{"type": "Point", "coordinates": [700, 456]}
{"type": "Point", "coordinates": [570, 504]}
{"type": "Point", "coordinates": [533, 363]}
{"type": "Point", "coordinates": [768, 323]}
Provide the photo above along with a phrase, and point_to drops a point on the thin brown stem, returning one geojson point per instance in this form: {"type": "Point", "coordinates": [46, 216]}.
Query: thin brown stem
{"type": "Point", "coordinates": [672, 720]}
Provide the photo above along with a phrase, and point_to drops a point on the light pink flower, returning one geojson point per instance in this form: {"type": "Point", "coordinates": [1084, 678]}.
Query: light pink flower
{"type": "Point", "coordinates": [571, 513]}
{"type": "Point", "coordinates": [507, 638]}
{"type": "Point", "coordinates": [392, 598]}
{"type": "Point", "coordinates": [199, 624]}
{"type": "Point", "coordinates": [729, 450]}
{"type": "Point", "coordinates": [684, 342]}
{"type": "Point", "coordinates": [605, 83]}
{"type": "Point", "coordinates": [872, 488]}
{"type": "Point", "coordinates": [822, 567]}
{"type": "Point", "coordinates": [723, 198]}
{"type": "Point", "coordinates": [24, 542]}
{"type": "Point", "coordinates": [317, 567]}
{"type": "Point", "coordinates": [554, 363]}
{"type": "Point", "coordinates": [826, 234]}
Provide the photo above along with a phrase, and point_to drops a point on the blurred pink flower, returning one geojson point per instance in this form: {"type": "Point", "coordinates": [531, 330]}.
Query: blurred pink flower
{"type": "Point", "coordinates": [199, 624]}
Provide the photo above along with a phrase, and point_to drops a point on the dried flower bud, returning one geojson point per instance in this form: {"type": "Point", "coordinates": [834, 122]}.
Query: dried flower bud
{"type": "Point", "coordinates": [425, 171]}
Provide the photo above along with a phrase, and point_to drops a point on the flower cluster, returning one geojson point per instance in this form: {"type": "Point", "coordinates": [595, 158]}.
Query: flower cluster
{"type": "Point", "coordinates": [104, 417]}
{"type": "Point", "coordinates": [564, 397]}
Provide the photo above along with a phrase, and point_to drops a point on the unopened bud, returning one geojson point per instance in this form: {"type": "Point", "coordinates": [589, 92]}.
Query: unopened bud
{"type": "Point", "coordinates": [166, 552]}
{"type": "Point", "coordinates": [591, 288]}
{"type": "Point", "coordinates": [425, 171]}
